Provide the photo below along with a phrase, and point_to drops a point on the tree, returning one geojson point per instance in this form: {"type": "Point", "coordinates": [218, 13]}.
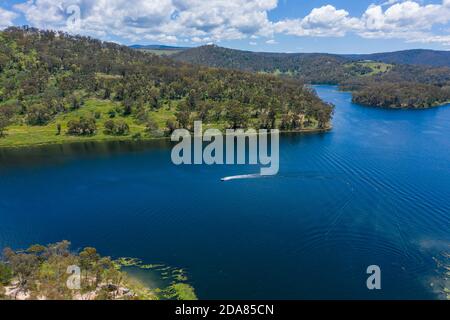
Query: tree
{"type": "Point", "coordinates": [110, 126]}
{"type": "Point", "coordinates": [171, 126]}
{"type": "Point", "coordinates": [141, 114]}
{"type": "Point", "coordinates": [59, 248]}
{"type": "Point", "coordinates": [323, 117]}
{"type": "Point", "coordinates": [4, 122]}
{"type": "Point", "coordinates": [151, 126]}
{"type": "Point", "coordinates": [154, 97]}
{"type": "Point", "coordinates": [76, 101]}
{"type": "Point", "coordinates": [24, 266]}
{"type": "Point", "coordinates": [118, 128]}
{"type": "Point", "coordinates": [183, 117]}
{"type": "Point", "coordinates": [107, 94]}
{"type": "Point", "coordinates": [88, 260]}
{"type": "Point", "coordinates": [192, 100]}
{"type": "Point", "coordinates": [203, 111]}
{"type": "Point", "coordinates": [5, 274]}
{"type": "Point", "coordinates": [82, 127]}
{"type": "Point", "coordinates": [127, 107]}
{"type": "Point", "coordinates": [122, 128]}
{"type": "Point", "coordinates": [236, 117]}
{"type": "Point", "coordinates": [38, 115]}
{"type": "Point", "coordinates": [36, 249]}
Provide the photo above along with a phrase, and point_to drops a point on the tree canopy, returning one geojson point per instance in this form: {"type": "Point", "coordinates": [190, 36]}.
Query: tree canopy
{"type": "Point", "coordinates": [45, 74]}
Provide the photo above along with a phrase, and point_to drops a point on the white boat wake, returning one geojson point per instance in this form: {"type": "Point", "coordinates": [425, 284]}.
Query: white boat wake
{"type": "Point", "coordinates": [240, 177]}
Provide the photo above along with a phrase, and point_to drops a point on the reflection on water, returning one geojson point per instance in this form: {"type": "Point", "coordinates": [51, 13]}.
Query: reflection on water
{"type": "Point", "coordinates": [54, 154]}
{"type": "Point", "coordinates": [375, 190]}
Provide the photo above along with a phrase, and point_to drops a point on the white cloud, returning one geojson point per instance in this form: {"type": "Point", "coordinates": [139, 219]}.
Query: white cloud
{"type": "Point", "coordinates": [406, 15]}
{"type": "Point", "coordinates": [204, 21]}
{"type": "Point", "coordinates": [406, 20]}
{"type": "Point", "coordinates": [212, 20]}
{"type": "Point", "coordinates": [6, 18]}
{"type": "Point", "coordinates": [324, 21]}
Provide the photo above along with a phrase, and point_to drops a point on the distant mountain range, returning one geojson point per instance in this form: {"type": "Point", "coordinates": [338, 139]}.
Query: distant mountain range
{"type": "Point", "coordinates": [194, 55]}
{"type": "Point", "coordinates": [417, 56]}
{"type": "Point", "coordinates": [158, 47]}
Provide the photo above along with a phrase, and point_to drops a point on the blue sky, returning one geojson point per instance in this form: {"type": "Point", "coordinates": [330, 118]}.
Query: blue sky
{"type": "Point", "coordinates": [334, 26]}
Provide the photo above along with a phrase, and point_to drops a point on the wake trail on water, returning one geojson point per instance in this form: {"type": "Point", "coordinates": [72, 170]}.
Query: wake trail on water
{"type": "Point", "coordinates": [302, 175]}
{"type": "Point", "coordinates": [243, 176]}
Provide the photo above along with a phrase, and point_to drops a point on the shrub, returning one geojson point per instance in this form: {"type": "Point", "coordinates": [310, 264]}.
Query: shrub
{"type": "Point", "coordinates": [110, 125]}
{"type": "Point", "coordinates": [76, 101]}
{"type": "Point", "coordinates": [151, 126]}
{"type": "Point", "coordinates": [122, 128]}
{"type": "Point", "coordinates": [112, 113]}
{"type": "Point", "coordinates": [171, 126]}
{"type": "Point", "coordinates": [137, 136]}
{"type": "Point", "coordinates": [119, 128]}
{"type": "Point", "coordinates": [5, 274]}
{"type": "Point", "coordinates": [82, 127]}
{"type": "Point", "coordinates": [38, 115]}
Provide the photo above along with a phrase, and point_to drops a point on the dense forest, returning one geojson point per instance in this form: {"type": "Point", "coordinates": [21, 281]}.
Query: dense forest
{"type": "Point", "coordinates": [82, 87]}
{"type": "Point", "coordinates": [422, 57]}
{"type": "Point", "coordinates": [404, 86]}
{"type": "Point", "coordinates": [49, 273]}
{"type": "Point", "coordinates": [373, 83]}
{"type": "Point", "coordinates": [314, 68]}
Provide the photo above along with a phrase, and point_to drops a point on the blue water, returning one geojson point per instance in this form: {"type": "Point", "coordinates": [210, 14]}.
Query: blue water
{"type": "Point", "coordinates": [375, 190]}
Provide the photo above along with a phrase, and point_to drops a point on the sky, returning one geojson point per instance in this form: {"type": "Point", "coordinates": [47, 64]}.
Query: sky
{"type": "Point", "coordinates": [333, 26]}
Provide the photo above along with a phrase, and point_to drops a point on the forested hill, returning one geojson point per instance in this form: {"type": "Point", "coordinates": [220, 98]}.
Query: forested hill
{"type": "Point", "coordinates": [256, 61]}
{"type": "Point", "coordinates": [374, 83]}
{"type": "Point", "coordinates": [417, 57]}
{"type": "Point", "coordinates": [54, 87]}
{"type": "Point", "coordinates": [311, 67]}
{"type": "Point", "coordinates": [157, 47]}
{"type": "Point", "coordinates": [159, 50]}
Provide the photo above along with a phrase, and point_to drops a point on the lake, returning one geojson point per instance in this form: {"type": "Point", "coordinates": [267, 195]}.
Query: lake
{"type": "Point", "coordinates": [374, 191]}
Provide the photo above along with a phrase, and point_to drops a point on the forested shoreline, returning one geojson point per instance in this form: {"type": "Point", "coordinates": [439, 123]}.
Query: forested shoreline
{"type": "Point", "coordinates": [372, 83]}
{"type": "Point", "coordinates": [55, 272]}
{"type": "Point", "coordinates": [55, 87]}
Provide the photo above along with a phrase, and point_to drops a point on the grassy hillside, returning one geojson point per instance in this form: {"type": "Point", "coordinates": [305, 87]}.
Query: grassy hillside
{"type": "Point", "coordinates": [57, 88]}
{"type": "Point", "coordinates": [159, 50]}
{"type": "Point", "coordinates": [25, 135]}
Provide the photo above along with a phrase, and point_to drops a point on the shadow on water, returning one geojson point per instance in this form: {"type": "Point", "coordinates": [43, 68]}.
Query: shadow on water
{"type": "Point", "coordinates": [60, 153]}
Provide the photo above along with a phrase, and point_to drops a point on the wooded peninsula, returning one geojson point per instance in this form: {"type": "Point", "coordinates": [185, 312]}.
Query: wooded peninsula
{"type": "Point", "coordinates": [58, 88]}
{"type": "Point", "coordinates": [46, 273]}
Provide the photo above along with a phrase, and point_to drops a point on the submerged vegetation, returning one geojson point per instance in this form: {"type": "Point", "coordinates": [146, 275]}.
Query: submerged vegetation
{"type": "Point", "coordinates": [56, 88]}
{"type": "Point", "coordinates": [443, 263]}
{"type": "Point", "coordinates": [46, 272]}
